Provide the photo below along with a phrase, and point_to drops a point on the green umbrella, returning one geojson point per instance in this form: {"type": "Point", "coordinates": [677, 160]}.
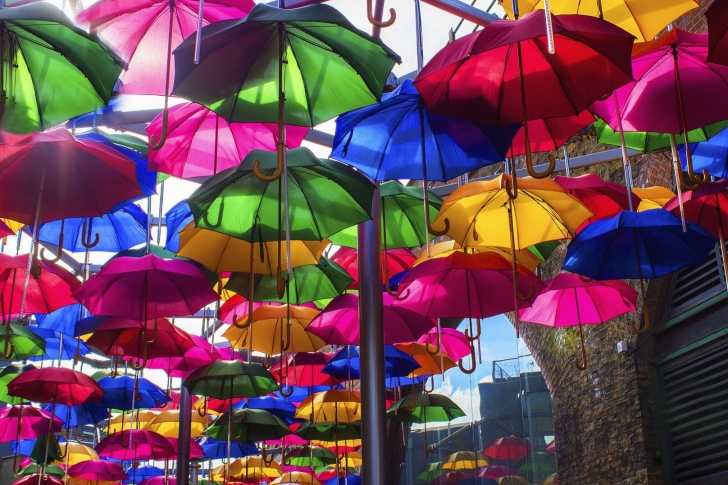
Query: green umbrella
{"type": "Point", "coordinates": [402, 212]}
{"type": "Point", "coordinates": [51, 69]}
{"type": "Point", "coordinates": [226, 379]}
{"type": "Point", "coordinates": [543, 250]}
{"type": "Point", "coordinates": [300, 66]}
{"type": "Point", "coordinates": [46, 448]}
{"type": "Point", "coordinates": [649, 141]}
{"type": "Point", "coordinates": [307, 283]}
{"type": "Point", "coordinates": [20, 342]}
{"type": "Point", "coordinates": [539, 463]}
{"type": "Point", "coordinates": [310, 456]}
{"type": "Point", "coordinates": [329, 431]}
{"type": "Point", "coordinates": [9, 373]}
{"type": "Point", "coordinates": [430, 471]}
{"type": "Point", "coordinates": [34, 468]}
{"type": "Point", "coordinates": [248, 425]}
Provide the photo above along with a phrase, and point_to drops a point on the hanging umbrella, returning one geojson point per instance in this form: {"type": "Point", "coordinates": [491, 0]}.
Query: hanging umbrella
{"type": "Point", "coordinates": [7, 374]}
{"type": "Point", "coordinates": [637, 245]}
{"type": "Point", "coordinates": [454, 343]}
{"type": "Point", "coordinates": [507, 448]}
{"type": "Point", "coordinates": [134, 419]}
{"type": "Point", "coordinates": [275, 405]}
{"type": "Point", "coordinates": [71, 320]}
{"type": "Point", "coordinates": [200, 143]}
{"type": "Point", "coordinates": [123, 338]}
{"type": "Point", "coordinates": [549, 134]}
{"type": "Point", "coordinates": [486, 75]}
{"type": "Point", "coordinates": [304, 368]}
{"type": "Point", "coordinates": [76, 453]}
{"type": "Point", "coordinates": [166, 423]}
{"type": "Point", "coordinates": [496, 471]}
{"type": "Point", "coordinates": [138, 474]}
{"type": "Point", "coordinates": [248, 425]}
{"type": "Point", "coordinates": [650, 141]}
{"type": "Point", "coordinates": [24, 422]}
{"type": "Point", "coordinates": [80, 415]}
{"type": "Point", "coordinates": [159, 481]}
{"type": "Point", "coordinates": [330, 432]}
{"type": "Point", "coordinates": [653, 197]}
{"type": "Point", "coordinates": [57, 386]}
{"type": "Point", "coordinates": [39, 479]}
{"type": "Point", "coordinates": [34, 469]}
{"type": "Point", "coordinates": [200, 355]}
{"type": "Point", "coordinates": [538, 463]}
{"type": "Point", "coordinates": [430, 362]}
{"type": "Point", "coordinates": [58, 347]}
{"type": "Point", "coordinates": [430, 471]}
{"type": "Point", "coordinates": [463, 460]}
{"type": "Point", "coordinates": [296, 477]}
{"type": "Point", "coordinates": [113, 232]}
{"type": "Point", "coordinates": [526, 257]}
{"type": "Point", "coordinates": [215, 449]}
{"type": "Point", "coordinates": [393, 262]}
{"type": "Point", "coordinates": [229, 379]}
{"type": "Point", "coordinates": [604, 199]}
{"type": "Point", "coordinates": [20, 344]}
{"type": "Point", "coordinates": [98, 469]}
{"type": "Point", "coordinates": [331, 407]}
{"type": "Point", "coordinates": [424, 408]}
{"type": "Point", "coordinates": [196, 451]}
{"type": "Point", "coordinates": [176, 219]}
{"type": "Point", "coordinates": [119, 393]}
{"type": "Point", "coordinates": [346, 480]}
{"type": "Point", "coordinates": [346, 364]}
{"type": "Point", "coordinates": [338, 323]}
{"type": "Point", "coordinates": [135, 444]}
{"type": "Point", "coordinates": [710, 155]}
{"type": "Point", "coordinates": [309, 456]}
{"type": "Point", "coordinates": [55, 70]}
{"type": "Point", "coordinates": [568, 300]}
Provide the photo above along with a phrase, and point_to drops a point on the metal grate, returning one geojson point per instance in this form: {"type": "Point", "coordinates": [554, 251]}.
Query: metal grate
{"type": "Point", "coordinates": [697, 284]}
{"type": "Point", "coordinates": [695, 397]}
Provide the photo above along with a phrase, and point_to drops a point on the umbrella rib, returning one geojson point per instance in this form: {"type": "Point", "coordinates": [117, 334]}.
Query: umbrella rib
{"type": "Point", "coordinates": [309, 109]}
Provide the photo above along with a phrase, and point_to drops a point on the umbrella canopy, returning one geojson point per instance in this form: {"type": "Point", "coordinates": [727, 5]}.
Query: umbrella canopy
{"type": "Point", "coordinates": [649, 141]}
{"type": "Point", "coordinates": [604, 199]}
{"type": "Point", "coordinates": [71, 320]}
{"type": "Point", "coordinates": [138, 474]}
{"type": "Point", "coordinates": [496, 471]}
{"type": "Point", "coordinates": [24, 422]}
{"type": "Point", "coordinates": [338, 323]}
{"type": "Point", "coordinates": [430, 471]}
{"type": "Point", "coordinates": [507, 448]}
{"type": "Point", "coordinates": [248, 425]}
{"type": "Point", "coordinates": [68, 177]}
{"type": "Point", "coordinates": [201, 143]}
{"type": "Point", "coordinates": [144, 32]}
{"type": "Point", "coordinates": [454, 343]}
{"type": "Point", "coordinates": [346, 364]}
{"type": "Point", "coordinates": [83, 414]}
{"type": "Point", "coordinates": [309, 456]}
{"type": "Point", "coordinates": [20, 343]}
{"type": "Point", "coordinates": [123, 337]}
{"type": "Point", "coordinates": [166, 423]}
{"type": "Point", "coordinates": [448, 146]}
{"type": "Point", "coordinates": [202, 354]}
{"type": "Point", "coordinates": [53, 470]}
{"type": "Point", "coordinates": [275, 405]}
{"type": "Point", "coordinates": [463, 460]}
{"type": "Point", "coordinates": [653, 197]}
{"type": "Point", "coordinates": [135, 444]}
{"type": "Point", "coordinates": [177, 218]}
{"type": "Point", "coordinates": [134, 419]}
{"type": "Point", "coordinates": [112, 232]}
{"type": "Point", "coordinates": [7, 374]}
{"type": "Point", "coordinates": [430, 362]}
{"type": "Point", "coordinates": [706, 206]}
{"type": "Point", "coordinates": [526, 257]}
{"type": "Point", "coordinates": [55, 70]}
{"type": "Point", "coordinates": [58, 347]}
{"type": "Point", "coordinates": [331, 406]}
{"type": "Point", "coordinates": [330, 432]}
{"type": "Point", "coordinates": [321, 48]}
{"type": "Point", "coordinates": [710, 155]}
{"type": "Point", "coordinates": [119, 393]}
{"type": "Point", "coordinates": [56, 385]}
{"type": "Point", "coordinates": [229, 379]}
{"type": "Point", "coordinates": [37, 479]}
{"type": "Point", "coordinates": [304, 368]}
{"type": "Point", "coordinates": [549, 134]}
{"type": "Point", "coordinates": [215, 449]}
{"type": "Point", "coordinates": [97, 469]}
{"type": "Point", "coordinates": [296, 477]}
{"type": "Point", "coordinates": [425, 408]}
{"type": "Point", "coordinates": [393, 262]}
{"type": "Point", "coordinates": [76, 452]}
{"type": "Point", "coordinates": [716, 16]}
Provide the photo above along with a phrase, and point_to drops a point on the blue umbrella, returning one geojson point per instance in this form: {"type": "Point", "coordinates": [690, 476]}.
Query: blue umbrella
{"type": "Point", "coordinates": [72, 416]}
{"type": "Point", "coordinates": [25, 447]}
{"type": "Point", "coordinates": [395, 280]}
{"type": "Point", "coordinates": [118, 393]}
{"type": "Point", "coordinates": [113, 232]}
{"type": "Point", "coordinates": [139, 474]}
{"type": "Point", "coordinates": [275, 405]}
{"type": "Point", "coordinates": [73, 320]}
{"type": "Point", "coordinates": [217, 450]}
{"type": "Point", "coordinates": [176, 219]}
{"type": "Point", "coordinates": [393, 382]}
{"type": "Point", "coordinates": [347, 480]}
{"type": "Point", "coordinates": [710, 155]}
{"type": "Point", "coordinates": [346, 365]}
{"type": "Point", "coordinates": [301, 393]}
{"type": "Point", "coordinates": [68, 346]}
{"type": "Point", "coordinates": [637, 245]}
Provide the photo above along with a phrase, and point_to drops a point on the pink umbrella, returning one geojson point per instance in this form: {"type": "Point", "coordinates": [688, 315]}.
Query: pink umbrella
{"type": "Point", "coordinates": [393, 261]}
{"type": "Point", "coordinates": [200, 355]}
{"type": "Point", "coordinates": [455, 344]}
{"type": "Point", "coordinates": [136, 444]}
{"type": "Point", "coordinates": [56, 385]}
{"type": "Point", "coordinates": [569, 300]}
{"type": "Point", "coordinates": [338, 323]}
{"type": "Point", "coordinates": [26, 422]}
{"type": "Point", "coordinates": [288, 440]}
{"type": "Point", "coordinates": [200, 143]}
{"type": "Point", "coordinates": [196, 450]}
{"type": "Point", "coordinates": [605, 199]}
{"type": "Point", "coordinates": [100, 470]}
{"type": "Point", "coordinates": [496, 471]}
{"type": "Point", "coordinates": [304, 369]}
{"type": "Point", "coordinates": [36, 479]}
{"type": "Point", "coordinates": [551, 448]}
{"type": "Point", "coordinates": [159, 481]}
{"type": "Point", "coordinates": [238, 305]}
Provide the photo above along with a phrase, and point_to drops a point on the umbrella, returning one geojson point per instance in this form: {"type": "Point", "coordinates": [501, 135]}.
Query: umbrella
{"type": "Point", "coordinates": [112, 232]}
{"type": "Point", "coordinates": [338, 323]}
{"type": "Point", "coordinates": [710, 154]}
{"type": "Point", "coordinates": [486, 75]}
{"type": "Point", "coordinates": [346, 480]}
{"type": "Point", "coordinates": [166, 423]}
{"type": "Point", "coordinates": [54, 70]}
{"type": "Point", "coordinates": [127, 392]}
{"type": "Point", "coordinates": [159, 481]}
{"type": "Point", "coordinates": [538, 463]}
{"type": "Point", "coordinates": [229, 379]}
{"type": "Point", "coordinates": [7, 374]}
{"type": "Point", "coordinates": [430, 362]}
{"type": "Point", "coordinates": [424, 408]}
{"type": "Point", "coordinates": [463, 460]}
{"type": "Point", "coordinates": [650, 141]}
{"type": "Point", "coordinates": [716, 15]}
{"type": "Point", "coordinates": [200, 355]}
{"type": "Point", "coordinates": [393, 262]}
{"type": "Point", "coordinates": [34, 469]}
{"type": "Point", "coordinates": [76, 452]}
{"type": "Point", "coordinates": [134, 419]}
{"type": "Point", "coordinates": [304, 368]}
{"type": "Point", "coordinates": [137, 474]}
{"type": "Point", "coordinates": [507, 448]}
{"type": "Point", "coordinates": [642, 18]}
{"type": "Point", "coordinates": [526, 257]}
{"type": "Point", "coordinates": [605, 199]}
{"type": "Point", "coordinates": [653, 197]}
{"type": "Point", "coordinates": [57, 386]}
{"type": "Point", "coordinates": [39, 479]}
{"type": "Point", "coordinates": [430, 471]}
{"type": "Point", "coordinates": [195, 448]}
{"type": "Point", "coordinates": [123, 337]}
{"type": "Point", "coordinates": [637, 245]}
{"type": "Point", "coordinates": [58, 347]}
{"type": "Point", "coordinates": [215, 449]}
{"type": "Point", "coordinates": [330, 432]}
{"type": "Point", "coordinates": [200, 143]}
{"type": "Point", "coordinates": [346, 364]}
{"type": "Point", "coordinates": [549, 134]}
{"type": "Point", "coordinates": [478, 481]}
{"type": "Point", "coordinates": [97, 469]}
{"type": "Point", "coordinates": [335, 406]}
{"type": "Point", "coordinates": [24, 422]}
{"type": "Point", "coordinates": [248, 425]}
{"type": "Point", "coordinates": [454, 343]}
{"type": "Point", "coordinates": [309, 456]}
{"type": "Point", "coordinates": [496, 471]}
{"type": "Point", "coordinates": [296, 477]}
{"type": "Point", "coordinates": [568, 300]}
{"type": "Point", "coordinates": [135, 444]}
{"type": "Point", "coordinates": [415, 144]}
{"type": "Point", "coordinates": [176, 219]}
{"type": "Point", "coordinates": [20, 343]}
{"type": "Point", "coordinates": [80, 415]}
{"type": "Point", "coordinates": [71, 320]}
{"type": "Point", "coordinates": [275, 405]}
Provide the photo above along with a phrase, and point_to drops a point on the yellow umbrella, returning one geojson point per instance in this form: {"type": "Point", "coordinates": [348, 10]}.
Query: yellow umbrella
{"type": "Point", "coordinates": [446, 248]}
{"type": "Point", "coordinates": [75, 453]}
{"type": "Point", "coordinates": [134, 420]}
{"type": "Point", "coordinates": [166, 423]}
{"type": "Point", "coordinates": [464, 460]}
{"type": "Point", "coordinates": [429, 363]}
{"type": "Point", "coordinates": [296, 477]}
{"type": "Point", "coordinates": [276, 329]}
{"type": "Point", "coordinates": [653, 197]}
{"type": "Point", "coordinates": [13, 225]}
{"type": "Point", "coordinates": [341, 443]}
{"type": "Point", "coordinates": [252, 466]}
{"type": "Point", "coordinates": [642, 18]}
{"type": "Point", "coordinates": [220, 252]}
{"type": "Point", "coordinates": [351, 459]}
{"type": "Point", "coordinates": [512, 480]}
{"type": "Point", "coordinates": [338, 406]}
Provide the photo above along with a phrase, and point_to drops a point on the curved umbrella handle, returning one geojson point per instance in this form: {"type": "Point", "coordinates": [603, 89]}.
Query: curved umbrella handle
{"type": "Point", "coordinates": [380, 23]}
{"type": "Point", "coordinates": [239, 434]}
{"type": "Point", "coordinates": [247, 323]}
{"type": "Point", "coordinates": [585, 279]}
{"type": "Point", "coordinates": [645, 311]}
{"type": "Point", "coordinates": [8, 345]}
{"type": "Point", "coordinates": [531, 290]}
{"type": "Point", "coordinates": [437, 347]}
{"type": "Point", "coordinates": [468, 331]}
{"type": "Point", "coordinates": [202, 410]}
{"type": "Point", "coordinates": [414, 404]}
{"type": "Point", "coordinates": [511, 187]}
{"type": "Point", "coordinates": [86, 236]}
{"type": "Point", "coordinates": [279, 168]}
{"type": "Point", "coordinates": [435, 232]}
{"type": "Point", "coordinates": [388, 289]}
{"type": "Point", "coordinates": [143, 364]}
{"type": "Point", "coordinates": [156, 333]}
{"type": "Point", "coordinates": [267, 461]}
{"type": "Point", "coordinates": [578, 364]}
{"type": "Point", "coordinates": [284, 363]}
{"type": "Point", "coordinates": [284, 348]}
{"type": "Point", "coordinates": [472, 361]}
{"type": "Point", "coordinates": [206, 219]}
{"type": "Point", "coordinates": [115, 371]}
{"type": "Point", "coordinates": [16, 465]}
{"type": "Point", "coordinates": [280, 284]}
{"type": "Point", "coordinates": [167, 399]}
{"type": "Point", "coordinates": [287, 393]}
{"type": "Point", "coordinates": [266, 362]}
{"type": "Point", "coordinates": [432, 385]}
{"type": "Point", "coordinates": [529, 165]}
{"type": "Point", "coordinates": [59, 251]}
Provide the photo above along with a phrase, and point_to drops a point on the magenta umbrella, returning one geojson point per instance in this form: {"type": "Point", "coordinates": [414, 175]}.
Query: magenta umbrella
{"type": "Point", "coordinates": [202, 354]}
{"type": "Point", "coordinates": [200, 143]}
{"type": "Point", "coordinates": [338, 323]}
{"type": "Point", "coordinates": [455, 344]}
{"type": "Point", "coordinates": [569, 300]}
{"type": "Point", "coordinates": [159, 481]}
{"type": "Point", "coordinates": [38, 479]}
{"type": "Point", "coordinates": [136, 444]}
{"type": "Point", "coordinates": [196, 450]}
{"type": "Point", "coordinates": [26, 422]}
{"type": "Point", "coordinates": [98, 469]}
{"type": "Point", "coordinates": [304, 369]}
{"type": "Point", "coordinates": [496, 471]}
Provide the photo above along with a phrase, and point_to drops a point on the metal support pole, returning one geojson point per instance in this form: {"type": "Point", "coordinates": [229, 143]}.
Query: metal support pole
{"type": "Point", "coordinates": [373, 420]}
{"type": "Point", "coordinates": [185, 430]}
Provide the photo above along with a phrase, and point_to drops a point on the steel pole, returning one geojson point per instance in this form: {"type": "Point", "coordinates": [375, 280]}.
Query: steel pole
{"type": "Point", "coordinates": [185, 429]}
{"type": "Point", "coordinates": [373, 420]}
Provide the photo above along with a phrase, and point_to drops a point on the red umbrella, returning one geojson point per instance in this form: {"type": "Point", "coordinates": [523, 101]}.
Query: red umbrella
{"type": "Point", "coordinates": [36, 479]}
{"type": "Point", "coordinates": [717, 17]}
{"type": "Point", "coordinates": [605, 199]}
{"type": "Point", "coordinates": [56, 385]}
{"type": "Point", "coordinates": [549, 134]}
{"type": "Point", "coordinates": [304, 369]}
{"type": "Point", "coordinates": [196, 450]}
{"type": "Point", "coordinates": [551, 448]}
{"type": "Point", "coordinates": [26, 422]}
{"type": "Point", "coordinates": [202, 354]}
{"type": "Point", "coordinates": [99, 470]}
{"type": "Point", "coordinates": [451, 478]}
{"type": "Point", "coordinates": [497, 75]}
{"type": "Point", "coordinates": [507, 448]}
{"type": "Point", "coordinates": [136, 444]}
{"type": "Point", "coordinates": [50, 288]}
{"type": "Point", "coordinates": [393, 261]}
